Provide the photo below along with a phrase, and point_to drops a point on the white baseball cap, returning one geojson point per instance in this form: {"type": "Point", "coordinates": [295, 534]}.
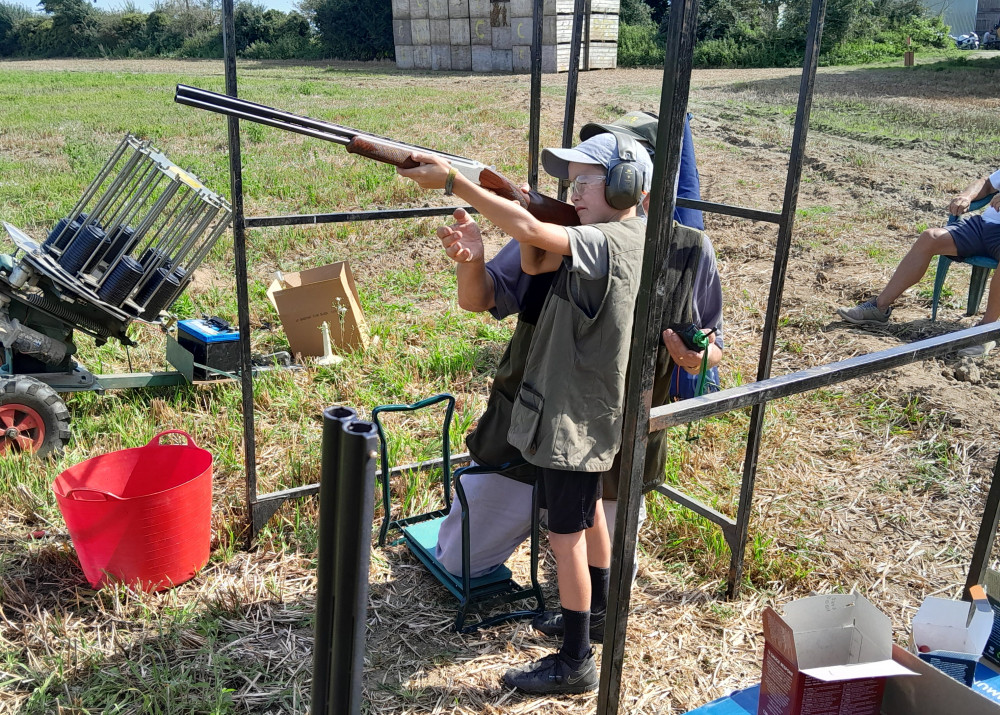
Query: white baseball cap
{"type": "Point", "coordinates": [601, 149]}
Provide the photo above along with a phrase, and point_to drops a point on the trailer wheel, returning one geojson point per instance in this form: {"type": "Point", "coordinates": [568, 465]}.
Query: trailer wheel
{"type": "Point", "coordinates": [33, 418]}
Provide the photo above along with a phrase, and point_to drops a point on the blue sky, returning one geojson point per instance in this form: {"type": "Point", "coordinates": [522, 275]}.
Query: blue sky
{"type": "Point", "coordinates": [147, 5]}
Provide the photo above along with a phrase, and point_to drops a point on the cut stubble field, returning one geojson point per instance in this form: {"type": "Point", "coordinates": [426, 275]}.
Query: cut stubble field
{"type": "Point", "coordinates": [876, 485]}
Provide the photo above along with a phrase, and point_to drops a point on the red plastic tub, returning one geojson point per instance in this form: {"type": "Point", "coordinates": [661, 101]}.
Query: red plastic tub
{"type": "Point", "coordinates": [142, 516]}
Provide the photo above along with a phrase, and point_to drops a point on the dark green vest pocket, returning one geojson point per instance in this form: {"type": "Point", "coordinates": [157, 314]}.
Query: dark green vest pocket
{"type": "Point", "coordinates": [525, 418]}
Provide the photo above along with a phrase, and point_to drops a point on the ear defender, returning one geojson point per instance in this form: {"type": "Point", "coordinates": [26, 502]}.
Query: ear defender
{"type": "Point", "coordinates": [623, 189]}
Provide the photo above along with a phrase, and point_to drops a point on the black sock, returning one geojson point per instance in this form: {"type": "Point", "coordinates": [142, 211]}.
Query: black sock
{"type": "Point", "coordinates": [599, 580]}
{"type": "Point", "coordinates": [576, 633]}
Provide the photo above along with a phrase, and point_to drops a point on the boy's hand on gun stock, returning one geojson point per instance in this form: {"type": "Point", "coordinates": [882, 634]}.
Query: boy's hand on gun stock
{"type": "Point", "coordinates": [462, 240]}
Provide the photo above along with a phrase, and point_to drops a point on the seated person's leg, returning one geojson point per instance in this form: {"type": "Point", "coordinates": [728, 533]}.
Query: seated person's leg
{"type": "Point", "coordinates": [989, 245]}
{"type": "Point", "coordinates": [930, 243]}
{"type": "Point", "coordinates": [499, 520]}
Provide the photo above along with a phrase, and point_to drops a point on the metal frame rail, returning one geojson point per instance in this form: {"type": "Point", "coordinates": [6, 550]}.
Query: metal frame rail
{"type": "Point", "coordinates": [261, 507]}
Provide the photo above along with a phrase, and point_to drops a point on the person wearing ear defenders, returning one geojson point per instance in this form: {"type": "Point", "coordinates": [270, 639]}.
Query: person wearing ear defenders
{"type": "Point", "coordinates": [566, 419]}
{"type": "Point", "coordinates": [500, 504]}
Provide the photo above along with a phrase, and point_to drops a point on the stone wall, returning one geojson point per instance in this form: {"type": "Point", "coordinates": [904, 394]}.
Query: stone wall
{"type": "Point", "coordinates": [495, 35]}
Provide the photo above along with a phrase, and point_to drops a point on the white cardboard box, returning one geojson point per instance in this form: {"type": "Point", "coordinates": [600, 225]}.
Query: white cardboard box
{"type": "Point", "coordinates": [951, 635]}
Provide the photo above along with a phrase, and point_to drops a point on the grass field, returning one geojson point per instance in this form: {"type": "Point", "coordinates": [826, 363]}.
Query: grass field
{"type": "Point", "coordinates": [876, 485]}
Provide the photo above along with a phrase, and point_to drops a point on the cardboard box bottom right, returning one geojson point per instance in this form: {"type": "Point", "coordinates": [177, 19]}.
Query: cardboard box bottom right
{"type": "Point", "coordinates": [931, 693]}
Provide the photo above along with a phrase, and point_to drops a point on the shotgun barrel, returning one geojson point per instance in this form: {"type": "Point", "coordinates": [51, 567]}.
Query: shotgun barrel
{"type": "Point", "coordinates": [376, 147]}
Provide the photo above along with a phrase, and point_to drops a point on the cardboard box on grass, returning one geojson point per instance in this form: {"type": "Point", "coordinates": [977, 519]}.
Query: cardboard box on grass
{"type": "Point", "coordinates": [951, 635]}
{"type": "Point", "coordinates": [304, 300]}
{"type": "Point", "coordinates": [932, 693]}
{"type": "Point", "coordinates": [826, 655]}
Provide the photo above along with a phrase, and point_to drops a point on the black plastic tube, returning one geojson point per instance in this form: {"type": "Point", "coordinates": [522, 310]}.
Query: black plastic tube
{"type": "Point", "coordinates": [355, 513]}
{"type": "Point", "coordinates": [124, 277]}
{"type": "Point", "coordinates": [87, 242]}
{"type": "Point", "coordinates": [334, 421]}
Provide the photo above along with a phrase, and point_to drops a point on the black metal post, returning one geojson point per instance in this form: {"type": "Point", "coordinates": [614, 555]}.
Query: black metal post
{"type": "Point", "coordinates": [987, 534]}
{"type": "Point", "coordinates": [240, 261]}
{"type": "Point", "coordinates": [572, 82]}
{"type": "Point", "coordinates": [793, 178]}
{"type": "Point", "coordinates": [645, 337]}
{"type": "Point", "coordinates": [334, 421]}
{"type": "Point", "coordinates": [535, 105]}
{"type": "Point", "coordinates": [347, 511]}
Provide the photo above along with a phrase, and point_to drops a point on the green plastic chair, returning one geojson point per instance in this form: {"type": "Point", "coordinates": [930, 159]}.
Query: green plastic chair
{"type": "Point", "coordinates": [420, 534]}
{"type": "Point", "coordinates": [981, 267]}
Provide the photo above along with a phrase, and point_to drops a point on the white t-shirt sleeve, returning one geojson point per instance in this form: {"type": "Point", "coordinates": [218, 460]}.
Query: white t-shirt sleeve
{"type": "Point", "coordinates": [995, 179]}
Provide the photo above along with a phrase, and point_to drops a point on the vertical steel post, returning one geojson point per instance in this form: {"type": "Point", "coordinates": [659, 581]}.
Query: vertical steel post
{"type": "Point", "coordinates": [987, 534]}
{"type": "Point", "coordinates": [645, 338]}
{"type": "Point", "coordinates": [240, 259]}
{"type": "Point", "coordinates": [572, 82]}
{"type": "Point", "coordinates": [792, 180]}
{"type": "Point", "coordinates": [535, 105]}
{"type": "Point", "coordinates": [335, 419]}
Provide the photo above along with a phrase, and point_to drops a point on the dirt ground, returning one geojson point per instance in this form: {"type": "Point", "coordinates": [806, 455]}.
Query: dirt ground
{"type": "Point", "coordinates": [877, 485]}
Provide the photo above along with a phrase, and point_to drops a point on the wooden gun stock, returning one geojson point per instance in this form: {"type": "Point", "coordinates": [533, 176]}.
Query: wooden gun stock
{"type": "Point", "coordinates": [544, 208]}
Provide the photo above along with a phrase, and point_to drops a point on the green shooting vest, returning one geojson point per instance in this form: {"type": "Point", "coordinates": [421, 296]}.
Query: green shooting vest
{"type": "Point", "coordinates": [568, 411]}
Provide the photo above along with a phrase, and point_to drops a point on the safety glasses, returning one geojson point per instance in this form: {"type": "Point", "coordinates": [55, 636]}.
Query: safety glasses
{"type": "Point", "coordinates": [580, 184]}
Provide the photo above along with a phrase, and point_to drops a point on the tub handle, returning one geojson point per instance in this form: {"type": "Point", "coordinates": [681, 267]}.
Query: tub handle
{"type": "Point", "coordinates": [156, 440]}
{"type": "Point", "coordinates": [71, 494]}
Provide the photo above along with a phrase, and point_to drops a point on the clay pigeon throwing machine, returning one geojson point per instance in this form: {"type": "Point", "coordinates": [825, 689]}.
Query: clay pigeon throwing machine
{"type": "Point", "coordinates": [126, 252]}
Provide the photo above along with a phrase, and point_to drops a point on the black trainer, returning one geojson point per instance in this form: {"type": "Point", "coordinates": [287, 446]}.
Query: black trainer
{"type": "Point", "coordinates": [553, 674]}
{"type": "Point", "coordinates": [551, 624]}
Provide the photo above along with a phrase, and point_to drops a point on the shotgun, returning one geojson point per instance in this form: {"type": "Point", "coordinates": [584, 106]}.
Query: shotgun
{"type": "Point", "coordinates": [372, 146]}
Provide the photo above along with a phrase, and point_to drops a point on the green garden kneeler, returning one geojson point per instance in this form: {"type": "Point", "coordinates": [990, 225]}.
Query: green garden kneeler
{"type": "Point", "coordinates": [420, 533]}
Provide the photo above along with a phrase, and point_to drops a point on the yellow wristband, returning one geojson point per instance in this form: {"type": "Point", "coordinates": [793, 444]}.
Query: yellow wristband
{"type": "Point", "coordinates": [449, 183]}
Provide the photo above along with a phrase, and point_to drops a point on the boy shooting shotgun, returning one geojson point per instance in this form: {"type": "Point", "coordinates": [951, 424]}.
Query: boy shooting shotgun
{"type": "Point", "coordinates": [378, 148]}
{"type": "Point", "coordinates": [566, 418]}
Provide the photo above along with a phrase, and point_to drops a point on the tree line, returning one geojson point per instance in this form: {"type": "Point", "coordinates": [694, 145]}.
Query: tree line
{"type": "Point", "coordinates": [731, 33]}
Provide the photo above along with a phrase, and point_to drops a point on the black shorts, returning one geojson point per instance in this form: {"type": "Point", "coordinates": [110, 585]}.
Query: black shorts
{"type": "Point", "coordinates": [570, 497]}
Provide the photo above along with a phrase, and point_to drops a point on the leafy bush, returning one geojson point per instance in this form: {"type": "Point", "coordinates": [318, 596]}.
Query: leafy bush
{"type": "Point", "coordinates": [635, 12]}
{"type": "Point", "coordinates": [638, 46]}
{"type": "Point", "coordinates": [204, 44]}
{"type": "Point", "coordinates": [286, 47]}
{"type": "Point", "coordinates": [353, 29]}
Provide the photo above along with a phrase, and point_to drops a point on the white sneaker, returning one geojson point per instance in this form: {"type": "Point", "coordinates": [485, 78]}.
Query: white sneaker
{"type": "Point", "coordinates": [978, 350]}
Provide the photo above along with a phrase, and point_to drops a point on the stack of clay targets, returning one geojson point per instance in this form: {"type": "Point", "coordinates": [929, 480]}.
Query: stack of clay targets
{"type": "Point", "coordinates": [139, 231]}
